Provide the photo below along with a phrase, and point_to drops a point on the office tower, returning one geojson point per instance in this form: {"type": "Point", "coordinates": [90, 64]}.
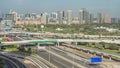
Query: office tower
{"type": "Point", "coordinates": [118, 20]}
{"type": "Point", "coordinates": [45, 18]}
{"type": "Point", "coordinates": [27, 16]}
{"type": "Point", "coordinates": [63, 15]}
{"type": "Point", "coordinates": [9, 17]}
{"type": "Point", "coordinates": [107, 18]}
{"type": "Point", "coordinates": [80, 16]}
{"type": "Point", "coordinates": [33, 16]}
{"type": "Point", "coordinates": [15, 15]}
{"type": "Point", "coordinates": [83, 16]}
{"type": "Point", "coordinates": [69, 16]}
{"type": "Point", "coordinates": [60, 17]}
{"type": "Point", "coordinates": [53, 17]}
{"type": "Point", "coordinates": [114, 20]}
{"type": "Point", "coordinates": [99, 18]}
{"type": "Point", "coordinates": [38, 18]}
{"type": "Point", "coordinates": [1, 16]}
{"type": "Point", "coordinates": [21, 17]}
{"type": "Point", "coordinates": [90, 18]}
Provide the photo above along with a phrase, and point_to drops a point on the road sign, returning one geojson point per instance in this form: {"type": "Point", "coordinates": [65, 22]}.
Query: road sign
{"type": "Point", "coordinates": [95, 59]}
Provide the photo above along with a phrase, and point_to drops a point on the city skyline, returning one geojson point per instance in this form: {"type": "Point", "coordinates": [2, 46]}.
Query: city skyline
{"type": "Point", "coordinates": [40, 6]}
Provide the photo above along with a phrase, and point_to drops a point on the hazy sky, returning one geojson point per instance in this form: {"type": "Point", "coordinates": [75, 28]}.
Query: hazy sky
{"type": "Point", "coordinates": [38, 6]}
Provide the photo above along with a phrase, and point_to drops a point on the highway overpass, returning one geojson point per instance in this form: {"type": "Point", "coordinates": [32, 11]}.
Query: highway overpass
{"type": "Point", "coordinates": [60, 40]}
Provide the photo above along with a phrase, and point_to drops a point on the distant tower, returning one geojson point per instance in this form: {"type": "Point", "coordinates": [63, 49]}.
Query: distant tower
{"type": "Point", "coordinates": [9, 17]}
{"type": "Point", "coordinates": [54, 17]}
{"type": "Point", "coordinates": [15, 15]}
{"type": "Point", "coordinates": [90, 17]}
{"type": "Point", "coordinates": [1, 16]}
{"type": "Point", "coordinates": [99, 18]}
{"type": "Point", "coordinates": [63, 15]}
{"type": "Point", "coordinates": [60, 17]}
{"type": "Point", "coordinates": [83, 16]}
{"type": "Point", "coordinates": [11, 10]}
{"type": "Point", "coordinates": [69, 16]}
{"type": "Point", "coordinates": [45, 18]}
{"type": "Point", "coordinates": [107, 18]}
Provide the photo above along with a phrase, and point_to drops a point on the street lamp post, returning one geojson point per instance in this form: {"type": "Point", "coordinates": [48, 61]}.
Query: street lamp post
{"type": "Point", "coordinates": [49, 54]}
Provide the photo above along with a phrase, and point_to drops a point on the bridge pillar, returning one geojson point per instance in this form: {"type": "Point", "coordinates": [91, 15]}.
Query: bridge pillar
{"type": "Point", "coordinates": [88, 52]}
{"type": "Point", "coordinates": [38, 45]}
{"type": "Point", "coordinates": [94, 54]}
{"type": "Point", "coordinates": [101, 55]}
{"type": "Point", "coordinates": [58, 43]}
{"type": "Point", "coordinates": [110, 57]}
{"type": "Point", "coordinates": [55, 43]}
{"type": "Point", "coordinates": [76, 43]}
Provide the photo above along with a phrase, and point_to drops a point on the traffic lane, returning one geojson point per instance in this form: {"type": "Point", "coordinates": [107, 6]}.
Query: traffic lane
{"type": "Point", "coordinates": [60, 63]}
{"type": "Point", "coordinates": [16, 62]}
{"type": "Point", "coordinates": [73, 57]}
{"type": "Point", "coordinates": [8, 64]}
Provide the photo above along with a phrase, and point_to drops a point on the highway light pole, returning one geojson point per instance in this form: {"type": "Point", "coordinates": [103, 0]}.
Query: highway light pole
{"type": "Point", "coordinates": [73, 62]}
{"type": "Point", "coordinates": [49, 53]}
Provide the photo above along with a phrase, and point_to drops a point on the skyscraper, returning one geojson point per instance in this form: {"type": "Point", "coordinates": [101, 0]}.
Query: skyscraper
{"type": "Point", "coordinates": [53, 17]}
{"type": "Point", "coordinates": [63, 15]}
{"type": "Point", "coordinates": [45, 18]}
{"type": "Point", "coordinates": [107, 18]}
{"type": "Point", "coordinates": [1, 16]}
{"type": "Point", "coordinates": [90, 18]}
{"type": "Point", "coordinates": [80, 16]}
{"type": "Point", "coordinates": [60, 17]}
{"type": "Point", "coordinates": [15, 15]}
{"type": "Point", "coordinates": [69, 16]}
{"type": "Point", "coordinates": [83, 16]}
{"type": "Point", "coordinates": [99, 18]}
{"type": "Point", "coordinates": [9, 17]}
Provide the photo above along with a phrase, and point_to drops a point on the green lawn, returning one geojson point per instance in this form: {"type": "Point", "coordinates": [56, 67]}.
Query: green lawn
{"type": "Point", "coordinates": [11, 49]}
{"type": "Point", "coordinates": [104, 50]}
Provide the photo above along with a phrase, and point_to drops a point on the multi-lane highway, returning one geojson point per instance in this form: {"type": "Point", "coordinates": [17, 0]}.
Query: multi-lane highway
{"type": "Point", "coordinates": [12, 62]}
{"type": "Point", "coordinates": [71, 56]}
{"type": "Point", "coordinates": [60, 63]}
{"type": "Point", "coordinates": [56, 56]}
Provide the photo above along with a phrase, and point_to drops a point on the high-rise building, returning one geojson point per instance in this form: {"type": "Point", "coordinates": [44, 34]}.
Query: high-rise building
{"type": "Point", "coordinates": [9, 17]}
{"type": "Point", "coordinates": [60, 17]}
{"type": "Point", "coordinates": [54, 15]}
{"type": "Point", "coordinates": [80, 16]}
{"type": "Point", "coordinates": [45, 18]}
{"type": "Point", "coordinates": [21, 17]}
{"type": "Point", "coordinates": [107, 18]}
{"type": "Point", "coordinates": [27, 16]}
{"type": "Point", "coordinates": [83, 16]}
{"type": "Point", "coordinates": [69, 16]}
{"type": "Point", "coordinates": [63, 15]}
{"type": "Point", "coordinates": [114, 20]}
{"type": "Point", "coordinates": [15, 15]}
{"type": "Point", "coordinates": [99, 18]}
{"type": "Point", "coordinates": [1, 16]}
{"type": "Point", "coordinates": [33, 16]}
{"type": "Point", "coordinates": [90, 18]}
